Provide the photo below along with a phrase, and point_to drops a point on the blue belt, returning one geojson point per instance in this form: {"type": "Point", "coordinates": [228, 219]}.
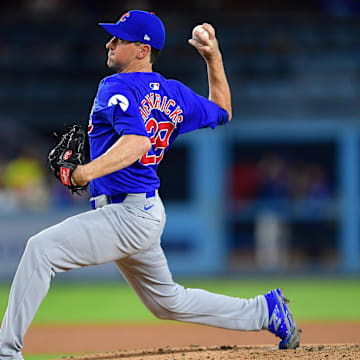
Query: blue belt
{"type": "Point", "coordinates": [119, 198]}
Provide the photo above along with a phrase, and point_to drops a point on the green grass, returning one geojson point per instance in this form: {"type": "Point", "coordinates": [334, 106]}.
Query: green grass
{"type": "Point", "coordinates": [330, 299]}
{"type": "Point", "coordinates": [44, 357]}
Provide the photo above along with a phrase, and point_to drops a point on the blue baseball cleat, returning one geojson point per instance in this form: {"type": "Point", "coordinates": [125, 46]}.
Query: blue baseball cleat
{"type": "Point", "coordinates": [281, 322]}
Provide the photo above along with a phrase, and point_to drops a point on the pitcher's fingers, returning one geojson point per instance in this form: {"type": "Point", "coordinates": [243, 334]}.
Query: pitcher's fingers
{"type": "Point", "coordinates": [195, 44]}
{"type": "Point", "coordinates": [210, 29]}
{"type": "Point", "coordinates": [204, 38]}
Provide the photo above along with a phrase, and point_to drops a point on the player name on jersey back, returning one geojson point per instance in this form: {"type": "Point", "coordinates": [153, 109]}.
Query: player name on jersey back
{"type": "Point", "coordinates": [164, 104]}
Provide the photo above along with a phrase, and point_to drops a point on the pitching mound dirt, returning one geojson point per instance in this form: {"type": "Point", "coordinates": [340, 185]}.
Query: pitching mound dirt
{"type": "Point", "coordinates": [230, 352]}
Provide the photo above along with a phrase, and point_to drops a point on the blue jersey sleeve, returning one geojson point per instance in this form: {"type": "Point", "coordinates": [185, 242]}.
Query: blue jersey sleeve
{"type": "Point", "coordinates": [200, 112]}
{"type": "Point", "coordinates": [126, 118]}
{"type": "Point", "coordinates": [126, 123]}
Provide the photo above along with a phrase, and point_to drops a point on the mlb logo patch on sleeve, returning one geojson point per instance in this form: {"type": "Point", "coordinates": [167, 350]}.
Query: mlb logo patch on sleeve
{"type": "Point", "coordinates": [154, 86]}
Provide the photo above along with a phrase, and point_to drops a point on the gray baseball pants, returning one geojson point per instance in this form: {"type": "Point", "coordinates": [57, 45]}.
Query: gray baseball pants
{"type": "Point", "coordinates": [128, 234]}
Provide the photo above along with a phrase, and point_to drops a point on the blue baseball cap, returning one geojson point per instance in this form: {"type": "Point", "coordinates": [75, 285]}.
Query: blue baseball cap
{"type": "Point", "coordinates": [137, 25]}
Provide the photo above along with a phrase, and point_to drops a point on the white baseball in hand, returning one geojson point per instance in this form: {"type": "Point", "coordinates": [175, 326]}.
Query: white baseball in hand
{"type": "Point", "coordinates": [200, 30]}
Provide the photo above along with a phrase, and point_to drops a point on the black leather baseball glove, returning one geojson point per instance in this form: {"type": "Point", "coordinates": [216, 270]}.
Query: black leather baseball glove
{"type": "Point", "coordinates": [67, 155]}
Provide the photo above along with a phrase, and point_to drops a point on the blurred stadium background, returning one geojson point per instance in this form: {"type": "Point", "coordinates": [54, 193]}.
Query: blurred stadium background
{"type": "Point", "coordinates": [276, 192]}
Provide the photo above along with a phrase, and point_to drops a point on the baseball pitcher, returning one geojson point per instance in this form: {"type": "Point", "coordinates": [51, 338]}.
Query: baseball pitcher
{"type": "Point", "coordinates": [135, 117]}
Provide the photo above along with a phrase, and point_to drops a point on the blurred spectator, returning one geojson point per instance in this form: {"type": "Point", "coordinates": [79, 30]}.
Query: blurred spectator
{"type": "Point", "coordinates": [308, 181]}
{"type": "Point", "coordinates": [244, 181]}
{"type": "Point", "coordinates": [26, 178]}
{"type": "Point", "coordinates": [299, 180]}
{"type": "Point", "coordinates": [2, 166]}
{"type": "Point", "coordinates": [272, 178]}
{"type": "Point", "coordinates": [272, 171]}
{"type": "Point", "coordinates": [319, 186]}
{"type": "Point", "coordinates": [272, 234]}
{"type": "Point", "coordinates": [7, 198]}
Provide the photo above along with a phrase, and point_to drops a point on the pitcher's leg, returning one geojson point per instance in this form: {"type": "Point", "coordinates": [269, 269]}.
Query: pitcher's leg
{"type": "Point", "coordinates": [149, 276]}
{"type": "Point", "coordinates": [74, 243]}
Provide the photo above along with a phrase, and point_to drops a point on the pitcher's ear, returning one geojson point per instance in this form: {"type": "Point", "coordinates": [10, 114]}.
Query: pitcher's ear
{"type": "Point", "coordinates": [143, 51]}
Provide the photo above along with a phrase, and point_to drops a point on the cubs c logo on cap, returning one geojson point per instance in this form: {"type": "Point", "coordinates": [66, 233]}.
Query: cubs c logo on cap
{"type": "Point", "coordinates": [143, 26]}
{"type": "Point", "coordinates": [124, 17]}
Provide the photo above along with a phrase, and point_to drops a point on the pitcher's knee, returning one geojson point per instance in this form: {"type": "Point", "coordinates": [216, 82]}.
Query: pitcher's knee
{"type": "Point", "coordinates": [160, 313]}
{"type": "Point", "coordinates": [167, 306]}
{"type": "Point", "coordinates": [37, 254]}
{"type": "Point", "coordinates": [34, 246]}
